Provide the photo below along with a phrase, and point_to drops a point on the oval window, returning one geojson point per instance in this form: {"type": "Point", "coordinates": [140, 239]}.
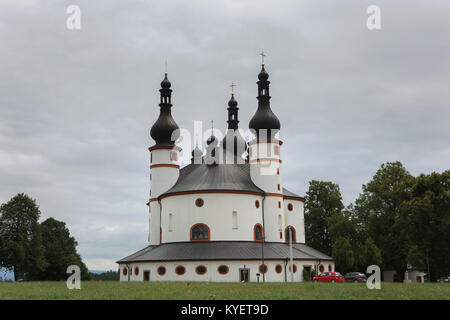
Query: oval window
{"type": "Point", "coordinates": [321, 268]}
{"type": "Point", "coordinates": [180, 270]}
{"type": "Point", "coordinates": [263, 268]}
{"type": "Point", "coordinates": [161, 270]}
{"type": "Point", "coordinates": [278, 268]}
{"type": "Point", "coordinates": [295, 268]}
{"type": "Point", "coordinates": [200, 270]}
{"type": "Point", "coordinates": [199, 202]}
{"type": "Point", "coordinates": [125, 271]}
{"type": "Point", "coordinates": [257, 203]}
{"type": "Point", "coordinates": [136, 271]}
{"type": "Point", "coordinates": [223, 269]}
{"type": "Point", "coordinates": [290, 207]}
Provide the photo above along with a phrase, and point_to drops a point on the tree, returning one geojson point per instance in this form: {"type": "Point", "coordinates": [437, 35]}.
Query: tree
{"type": "Point", "coordinates": [59, 251]}
{"type": "Point", "coordinates": [21, 249]}
{"type": "Point", "coordinates": [425, 224]}
{"type": "Point", "coordinates": [323, 200]}
{"type": "Point", "coordinates": [368, 255]}
{"type": "Point", "coordinates": [378, 209]}
{"type": "Point", "coordinates": [343, 255]}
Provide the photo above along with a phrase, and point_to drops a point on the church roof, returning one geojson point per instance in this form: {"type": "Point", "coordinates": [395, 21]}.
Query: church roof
{"type": "Point", "coordinates": [226, 177]}
{"type": "Point", "coordinates": [224, 250]}
{"type": "Point", "coordinates": [201, 177]}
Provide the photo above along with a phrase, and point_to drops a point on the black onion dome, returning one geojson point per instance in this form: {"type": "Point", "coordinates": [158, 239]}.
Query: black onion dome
{"type": "Point", "coordinates": [212, 139]}
{"type": "Point", "coordinates": [165, 84]}
{"type": "Point", "coordinates": [263, 75]}
{"type": "Point", "coordinates": [232, 103]}
{"type": "Point", "coordinates": [164, 127]}
{"type": "Point", "coordinates": [264, 118]}
{"type": "Point", "coordinates": [239, 143]}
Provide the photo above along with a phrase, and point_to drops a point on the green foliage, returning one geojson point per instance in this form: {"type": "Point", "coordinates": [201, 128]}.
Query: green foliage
{"type": "Point", "coordinates": [21, 248]}
{"type": "Point", "coordinates": [343, 255]}
{"type": "Point", "coordinates": [368, 254]}
{"type": "Point", "coordinates": [60, 251]}
{"type": "Point", "coordinates": [322, 201]}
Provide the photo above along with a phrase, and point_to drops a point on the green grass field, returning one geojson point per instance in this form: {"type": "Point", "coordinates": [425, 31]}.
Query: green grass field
{"type": "Point", "coordinates": [208, 291]}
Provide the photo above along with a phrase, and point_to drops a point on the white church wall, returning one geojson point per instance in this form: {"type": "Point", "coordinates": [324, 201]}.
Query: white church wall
{"type": "Point", "coordinates": [295, 218]}
{"type": "Point", "coordinates": [216, 213]}
{"type": "Point", "coordinates": [213, 275]}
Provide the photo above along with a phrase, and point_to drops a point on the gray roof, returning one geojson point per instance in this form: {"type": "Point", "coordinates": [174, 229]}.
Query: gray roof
{"type": "Point", "coordinates": [198, 177]}
{"type": "Point", "coordinates": [223, 250]}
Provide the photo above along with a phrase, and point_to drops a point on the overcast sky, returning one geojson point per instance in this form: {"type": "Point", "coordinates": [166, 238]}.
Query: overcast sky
{"type": "Point", "coordinates": [76, 106]}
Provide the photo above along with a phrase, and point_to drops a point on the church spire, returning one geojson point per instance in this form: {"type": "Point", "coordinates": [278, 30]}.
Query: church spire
{"type": "Point", "coordinates": [164, 127]}
{"type": "Point", "coordinates": [264, 120]}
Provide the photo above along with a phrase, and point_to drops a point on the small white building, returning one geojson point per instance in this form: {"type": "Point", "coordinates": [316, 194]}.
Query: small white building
{"type": "Point", "coordinates": [225, 216]}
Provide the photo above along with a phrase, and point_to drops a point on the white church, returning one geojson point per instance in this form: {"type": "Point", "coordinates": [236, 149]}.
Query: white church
{"type": "Point", "coordinates": [224, 217]}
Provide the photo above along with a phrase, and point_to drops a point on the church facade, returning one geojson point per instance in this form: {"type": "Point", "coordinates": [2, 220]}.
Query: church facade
{"type": "Point", "coordinates": [225, 216]}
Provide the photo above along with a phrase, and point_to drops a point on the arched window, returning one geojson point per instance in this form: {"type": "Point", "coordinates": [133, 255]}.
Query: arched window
{"type": "Point", "coordinates": [290, 231]}
{"type": "Point", "coordinates": [258, 232]}
{"type": "Point", "coordinates": [200, 232]}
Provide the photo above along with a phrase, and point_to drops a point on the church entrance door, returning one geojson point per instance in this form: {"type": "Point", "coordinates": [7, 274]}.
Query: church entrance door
{"type": "Point", "coordinates": [244, 275]}
{"type": "Point", "coordinates": [146, 275]}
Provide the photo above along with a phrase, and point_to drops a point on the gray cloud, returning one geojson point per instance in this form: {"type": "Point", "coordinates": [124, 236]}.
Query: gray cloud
{"type": "Point", "coordinates": [76, 106]}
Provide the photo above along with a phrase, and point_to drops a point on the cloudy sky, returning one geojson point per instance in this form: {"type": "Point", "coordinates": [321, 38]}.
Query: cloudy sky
{"type": "Point", "coordinates": [76, 106]}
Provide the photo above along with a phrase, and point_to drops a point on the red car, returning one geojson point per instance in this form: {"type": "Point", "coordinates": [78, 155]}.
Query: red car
{"type": "Point", "coordinates": [329, 277]}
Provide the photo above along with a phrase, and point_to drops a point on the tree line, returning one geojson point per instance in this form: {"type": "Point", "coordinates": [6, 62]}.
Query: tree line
{"type": "Point", "coordinates": [33, 250]}
{"type": "Point", "coordinates": [397, 220]}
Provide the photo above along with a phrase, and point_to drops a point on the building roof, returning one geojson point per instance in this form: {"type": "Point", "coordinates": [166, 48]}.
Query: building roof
{"type": "Point", "coordinates": [223, 250]}
{"type": "Point", "coordinates": [198, 177]}
{"type": "Point", "coordinates": [226, 177]}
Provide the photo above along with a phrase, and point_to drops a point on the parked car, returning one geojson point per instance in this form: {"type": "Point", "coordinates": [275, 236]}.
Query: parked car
{"type": "Point", "coordinates": [329, 277]}
{"type": "Point", "coordinates": [355, 277]}
{"type": "Point", "coordinates": [444, 280]}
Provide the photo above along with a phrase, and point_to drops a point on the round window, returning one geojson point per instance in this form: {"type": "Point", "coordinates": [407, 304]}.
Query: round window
{"type": "Point", "coordinates": [290, 207]}
{"type": "Point", "coordinates": [161, 270]}
{"type": "Point", "coordinates": [278, 268]}
{"type": "Point", "coordinates": [223, 269]}
{"type": "Point", "coordinates": [257, 203]}
{"type": "Point", "coordinates": [180, 270]}
{"type": "Point", "coordinates": [263, 268]}
{"type": "Point", "coordinates": [200, 269]}
{"type": "Point", "coordinates": [199, 202]}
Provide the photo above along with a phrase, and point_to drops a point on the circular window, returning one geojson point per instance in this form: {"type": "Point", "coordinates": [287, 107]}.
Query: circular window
{"type": "Point", "coordinates": [180, 270]}
{"type": "Point", "coordinates": [321, 268]}
{"type": "Point", "coordinates": [199, 202]}
{"type": "Point", "coordinates": [295, 268]}
{"type": "Point", "coordinates": [136, 271]}
{"type": "Point", "coordinates": [161, 270]}
{"type": "Point", "coordinates": [263, 268]}
{"type": "Point", "coordinates": [223, 269]}
{"type": "Point", "coordinates": [278, 268]}
{"type": "Point", "coordinates": [125, 271]}
{"type": "Point", "coordinates": [290, 207]}
{"type": "Point", "coordinates": [257, 203]}
{"type": "Point", "coordinates": [200, 270]}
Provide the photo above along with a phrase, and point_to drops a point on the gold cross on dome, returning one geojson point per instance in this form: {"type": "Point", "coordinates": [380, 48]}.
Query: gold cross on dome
{"type": "Point", "coordinates": [165, 67]}
{"type": "Point", "coordinates": [262, 54]}
{"type": "Point", "coordinates": [232, 87]}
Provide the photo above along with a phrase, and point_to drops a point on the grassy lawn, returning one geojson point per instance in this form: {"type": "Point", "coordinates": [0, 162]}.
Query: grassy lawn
{"type": "Point", "coordinates": [206, 291]}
